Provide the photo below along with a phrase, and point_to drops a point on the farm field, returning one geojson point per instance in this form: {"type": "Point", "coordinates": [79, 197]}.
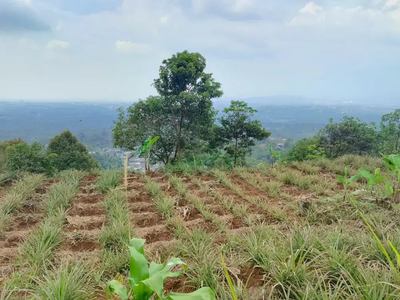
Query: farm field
{"type": "Point", "coordinates": [285, 232]}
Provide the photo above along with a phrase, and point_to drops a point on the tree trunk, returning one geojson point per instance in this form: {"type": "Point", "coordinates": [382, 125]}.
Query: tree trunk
{"type": "Point", "coordinates": [236, 146]}
{"type": "Point", "coordinates": [179, 137]}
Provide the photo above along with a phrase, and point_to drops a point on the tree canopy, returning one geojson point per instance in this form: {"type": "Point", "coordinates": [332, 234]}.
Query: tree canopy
{"type": "Point", "coordinates": [238, 130]}
{"type": "Point", "coordinates": [350, 136]}
{"type": "Point", "coordinates": [182, 114]}
{"type": "Point", "coordinates": [70, 153]}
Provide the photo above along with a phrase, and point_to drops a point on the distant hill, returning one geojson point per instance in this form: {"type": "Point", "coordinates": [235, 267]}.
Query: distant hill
{"type": "Point", "coordinates": [92, 121]}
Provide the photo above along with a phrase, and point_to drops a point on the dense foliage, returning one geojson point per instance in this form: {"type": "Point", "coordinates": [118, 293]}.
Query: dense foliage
{"type": "Point", "coordinates": [30, 158]}
{"type": "Point", "coordinates": [351, 136]}
{"type": "Point", "coordinates": [238, 131]}
{"type": "Point", "coordinates": [71, 154]}
{"type": "Point", "coordinates": [182, 116]}
{"type": "Point", "coordinates": [3, 146]}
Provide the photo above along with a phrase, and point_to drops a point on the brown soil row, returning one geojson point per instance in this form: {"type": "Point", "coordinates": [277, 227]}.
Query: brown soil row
{"type": "Point", "coordinates": [28, 218]}
{"type": "Point", "coordinates": [85, 219]}
{"type": "Point", "coordinates": [145, 217]}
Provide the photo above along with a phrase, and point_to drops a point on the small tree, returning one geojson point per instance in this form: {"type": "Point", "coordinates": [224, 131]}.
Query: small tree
{"type": "Point", "coordinates": [238, 131]}
{"type": "Point", "coordinates": [71, 154]}
{"type": "Point", "coordinates": [145, 150]}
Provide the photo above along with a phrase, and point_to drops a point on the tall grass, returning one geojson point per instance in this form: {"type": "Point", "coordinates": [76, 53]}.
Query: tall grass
{"type": "Point", "coordinates": [15, 198]}
{"type": "Point", "coordinates": [108, 180]}
{"type": "Point", "coordinates": [67, 281]}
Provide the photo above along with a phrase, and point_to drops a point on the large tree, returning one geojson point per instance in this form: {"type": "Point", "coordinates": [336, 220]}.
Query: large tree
{"type": "Point", "coordinates": [70, 153]}
{"type": "Point", "coordinates": [350, 136]}
{"type": "Point", "coordinates": [238, 130]}
{"type": "Point", "coordinates": [182, 114]}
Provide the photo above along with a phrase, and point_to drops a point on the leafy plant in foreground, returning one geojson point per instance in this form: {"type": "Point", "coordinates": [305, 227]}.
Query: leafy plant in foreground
{"type": "Point", "coordinates": [146, 281]}
{"type": "Point", "coordinates": [372, 179]}
{"type": "Point", "coordinates": [346, 181]}
{"type": "Point", "coordinates": [394, 268]}
{"type": "Point", "coordinates": [393, 164]}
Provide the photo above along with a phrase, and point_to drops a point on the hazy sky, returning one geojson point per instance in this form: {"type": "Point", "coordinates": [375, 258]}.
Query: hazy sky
{"type": "Point", "coordinates": [111, 49]}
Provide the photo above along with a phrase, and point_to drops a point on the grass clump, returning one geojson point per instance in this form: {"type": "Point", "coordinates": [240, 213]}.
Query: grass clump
{"type": "Point", "coordinates": [69, 281]}
{"type": "Point", "coordinates": [108, 180]}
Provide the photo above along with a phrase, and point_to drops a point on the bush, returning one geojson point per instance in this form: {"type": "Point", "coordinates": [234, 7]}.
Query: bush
{"type": "Point", "coordinates": [305, 149]}
{"type": "Point", "coordinates": [29, 158]}
{"type": "Point", "coordinates": [3, 146]}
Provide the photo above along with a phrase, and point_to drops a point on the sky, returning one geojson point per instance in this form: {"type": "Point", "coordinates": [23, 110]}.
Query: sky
{"type": "Point", "coordinates": [112, 49]}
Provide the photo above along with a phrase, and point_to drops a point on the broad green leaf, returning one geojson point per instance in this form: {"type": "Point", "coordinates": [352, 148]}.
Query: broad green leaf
{"type": "Point", "coordinates": [201, 294]}
{"type": "Point", "coordinates": [151, 142]}
{"type": "Point", "coordinates": [154, 268]}
{"type": "Point", "coordinates": [146, 288]}
{"type": "Point", "coordinates": [117, 288]}
{"type": "Point", "coordinates": [377, 171]}
{"type": "Point", "coordinates": [340, 179]}
{"type": "Point", "coordinates": [379, 179]}
{"type": "Point", "coordinates": [366, 174]}
{"type": "Point", "coordinates": [174, 261]}
{"type": "Point", "coordinates": [392, 162]}
{"type": "Point", "coordinates": [139, 269]}
{"type": "Point", "coordinates": [389, 189]}
{"type": "Point", "coordinates": [354, 178]}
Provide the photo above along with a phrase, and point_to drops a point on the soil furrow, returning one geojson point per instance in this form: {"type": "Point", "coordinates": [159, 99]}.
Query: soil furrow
{"type": "Point", "coordinates": [28, 219]}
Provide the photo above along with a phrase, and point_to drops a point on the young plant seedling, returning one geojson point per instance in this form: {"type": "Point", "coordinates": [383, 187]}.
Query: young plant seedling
{"type": "Point", "coordinates": [275, 155]}
{"type": "Point", "coordinates": [146, 281]}
{"type": "Point", "coordinates": [145, 150]}
{"type": "Point", "coordinates": [393, 164]}
{"type": "Point", "coordinates": [389, 189]}
{"type": "Point", "coordinates": [346, 181]}
{"type": "Point", "coordinates": [373, 180]}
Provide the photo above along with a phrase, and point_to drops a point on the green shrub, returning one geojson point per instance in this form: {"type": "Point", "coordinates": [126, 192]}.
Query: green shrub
{"type": "Point", "coordinates": [71, 154]}
{"type": "Point", "coordinates": [30, 158]}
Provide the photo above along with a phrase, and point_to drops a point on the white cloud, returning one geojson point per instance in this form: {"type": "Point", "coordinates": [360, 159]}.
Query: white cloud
{"type": "Point", "coordinates": [57, 45]}
{"type": "Point", "coordinates": [310, 14]}
{"type": "Point", "coordinates": [391, 3]}
{"type": "Point", "coordinates": [242, 6]}
{"type": "Point", "coordinates": [311, 8]}
{"type": "Point", "coordinates": [164, 19]}
{"type": "Point", "coordinates": [246, 43]}
{"type": "Point", "coordinates": [129, 47]}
